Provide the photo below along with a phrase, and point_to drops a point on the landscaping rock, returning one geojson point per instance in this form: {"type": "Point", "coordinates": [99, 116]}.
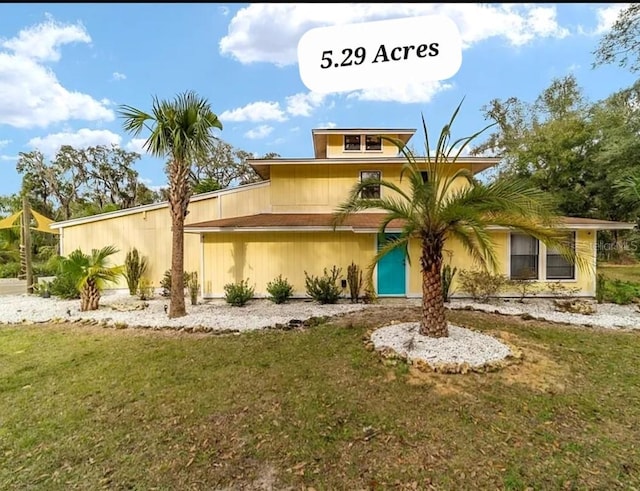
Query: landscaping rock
{"type": "Point", "coordinates": [129, 306]}
{"type": "Point", "coordinates": [575, 306]}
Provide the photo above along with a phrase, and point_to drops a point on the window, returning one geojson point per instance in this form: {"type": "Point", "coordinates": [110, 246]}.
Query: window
{"type": "Point", "coordinates": [371, 191]}
{"type": "Point", "coordinates": [352, 142]}
{"type": "Point", "coordinates": [558, 268]}
{"type": "Point", "coordinates": [524, 257]}
{"type": "Point", "coordinates": [373, 142]}
{"type": "Point", "coordinates": [425, 176]}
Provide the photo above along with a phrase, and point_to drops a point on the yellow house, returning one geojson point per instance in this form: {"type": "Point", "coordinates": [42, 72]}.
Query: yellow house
{"type": "Point", "coordinates": [282, 225]}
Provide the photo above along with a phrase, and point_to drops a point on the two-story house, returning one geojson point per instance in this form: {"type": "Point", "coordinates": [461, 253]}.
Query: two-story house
{"type": "Point", "coordinates": [283, 225]}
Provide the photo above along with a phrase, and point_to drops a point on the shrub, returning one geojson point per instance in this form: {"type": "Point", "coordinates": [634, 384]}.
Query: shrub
{"type": "Point", "coordinates": [165, 283]}
{"type": "Point", "coordinates": [145, 289]}
{"type": "Point", "coordinates": [324, 289]}
{"type": "Point", "coordinates": [238, 294]}
{"type": "Point", "coordinates": [280, 290]}
{"type": "Point", "coordinates": [447, 279]}
{"type": "Point", "coordinates": [9, 270]}
{"type": "Point", "coordinates": [193, 286]}
{"type": "Point", "coordinates": [559, 289]}
{"type": "Point", "coordinates": [621, 292]}
{"type": "Point", "coordinates": [523, 287]}
{"type": "Point", "coordinates": [601, 283]}
{"type": "Point", "coordinates": [135, 266]}
{"type": "Point", "coordinates": [354, 280]}
{"type": "Point", "coordinates": [65, 284]}
{"type": "Point", "coordinates": [481, 285]}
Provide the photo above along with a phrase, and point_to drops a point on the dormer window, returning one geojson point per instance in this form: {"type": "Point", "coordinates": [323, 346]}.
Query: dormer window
{"type": "Point", "coordinates": [373, 143]}
{"type": "Point", "coordinates": [352, 142]}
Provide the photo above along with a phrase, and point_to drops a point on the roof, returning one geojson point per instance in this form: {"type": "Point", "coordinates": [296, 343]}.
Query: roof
{"type": "Point", "coordinates": [320, 136]}
{"type": "Point", "coordinates": [362, 222]}
{"type": "Point", "coordinates": [263, 166]}
{"type": "Point", "coordinates": [153, 206]}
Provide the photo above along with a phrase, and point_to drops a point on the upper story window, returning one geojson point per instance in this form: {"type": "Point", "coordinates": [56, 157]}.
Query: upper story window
{"type": "Point", "coordinates": [371, 191]}
{"type": "Point", "coordinates": [425, 176]}
{"type": "Point", "coordinates": [373, 142]}
{"type": "Point", "coordinates": [352, 142]}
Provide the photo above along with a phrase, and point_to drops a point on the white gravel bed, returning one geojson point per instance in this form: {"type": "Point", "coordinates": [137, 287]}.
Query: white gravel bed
{"type": "Point", "coordinates": [215, 314]}
{"type": "Point", "coordinates": [607, 315]}
{"type": "Point", "coordinates": [461, 346]}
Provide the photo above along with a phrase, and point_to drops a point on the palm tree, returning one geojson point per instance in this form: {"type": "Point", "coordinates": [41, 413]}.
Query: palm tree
{"type": "Point", "coordinates": [181, 132]}
{"type": "Point", "coordinates": [91, 272]}
{"type": "Point", "coordinates": [435, 210]}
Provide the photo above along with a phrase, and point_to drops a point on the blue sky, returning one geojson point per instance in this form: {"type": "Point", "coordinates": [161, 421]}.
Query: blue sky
{"type": "Point", "coordinates": [65, 69]}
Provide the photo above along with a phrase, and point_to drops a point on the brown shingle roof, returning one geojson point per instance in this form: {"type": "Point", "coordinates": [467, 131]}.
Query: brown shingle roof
{"type": "Point", "coordinates": [355, 221]}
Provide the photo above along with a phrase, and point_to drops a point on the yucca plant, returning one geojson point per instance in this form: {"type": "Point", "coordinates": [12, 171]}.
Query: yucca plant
{"type": "Point", "coordinates": [436, 210]}
{"type": "Point", "coordinates": [135, 266]}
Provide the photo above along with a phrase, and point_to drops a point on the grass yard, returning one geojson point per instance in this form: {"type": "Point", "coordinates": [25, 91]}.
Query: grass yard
{"type": "Point", "coordinates": [92, 408]}
{"type": "Point", "coordinates": [622, 272]}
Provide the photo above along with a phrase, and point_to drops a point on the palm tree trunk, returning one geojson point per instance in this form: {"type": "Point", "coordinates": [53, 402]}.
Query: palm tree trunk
{"type": "Point", "coordinates": [89, 296]}
{"type": "Point", "coordinates": [433, 322]}
{"type": "Point", "coordinates": [178, 203]}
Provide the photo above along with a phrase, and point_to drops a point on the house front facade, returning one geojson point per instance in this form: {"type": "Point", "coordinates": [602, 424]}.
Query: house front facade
{"type": "Point", "coordinates": [283, 226]}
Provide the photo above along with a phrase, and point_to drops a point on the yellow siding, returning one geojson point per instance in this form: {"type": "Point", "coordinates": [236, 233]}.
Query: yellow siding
{"type": "Point", "coordinates": [248, 201]}
{"type": "Point", "coordinates": [457, 257]}
{"type": "Point", "coordinates": [319, 188]}
{"type": "Point", "coordinates": [261, 257]}
{"type": "Point", "coordinates": [335, 148]}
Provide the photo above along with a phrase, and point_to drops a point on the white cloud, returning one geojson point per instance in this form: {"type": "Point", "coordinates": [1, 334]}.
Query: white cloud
{"type": "Point", "coordinates": [118, 76]}
{"type": "Point", "coordinates": [607, 16]}
{"type": "Point", "coordinates": [42, 41]}
{"type": "Point", "coordinates": [83, 138]}
{"type": "Point", "coordinates": [8, 158]}
{"type": "Point", "coordinates": [255, 112]}
{"type": "Point", "coordinates": [223, 10]}
{"type": "Point", "coordinates": [136, 145]}
{"type": "Point", "coordinates": [30, 93]}
{"type": "Point", "coordinates": [270, 33]}
{"type": "Point", "coordinates": [261, 131]}
{"type": "Point", "coordinates": [302, 104]}
{"type": "Point", "coordinates": [4, 143]}
{"type": "Point", "coordinates": [407, 93]}
{"type": "Point", "coordinates": [327, 125]}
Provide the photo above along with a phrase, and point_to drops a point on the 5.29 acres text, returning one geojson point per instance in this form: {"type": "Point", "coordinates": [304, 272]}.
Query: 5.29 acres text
{"type": "Point", "coordinates": [358, 56]}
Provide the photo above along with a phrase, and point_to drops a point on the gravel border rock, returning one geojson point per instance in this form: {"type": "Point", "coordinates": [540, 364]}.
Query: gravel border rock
{"type": "Point", "coordinates": [463, 350]}
{"type": "Point", "coordinates": [209, 316]}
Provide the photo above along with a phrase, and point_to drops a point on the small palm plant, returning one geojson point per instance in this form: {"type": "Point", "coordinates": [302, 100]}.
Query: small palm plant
{"type": "Point", "coordinates": [93, 273]}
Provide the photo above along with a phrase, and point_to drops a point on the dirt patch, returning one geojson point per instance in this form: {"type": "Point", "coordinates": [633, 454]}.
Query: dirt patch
{"type": "Point", "coordinates": [377, 316]}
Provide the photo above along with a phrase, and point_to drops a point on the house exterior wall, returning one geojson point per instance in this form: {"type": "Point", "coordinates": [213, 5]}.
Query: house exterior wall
{"type": "Point", "coordinates": [260, 257]}
{"type": "Point", "coordinates": [335, 148]}
{"type": "Point", "coordinates": [150, 231]}
{"type": "Point", "coordinates": [320, 188]}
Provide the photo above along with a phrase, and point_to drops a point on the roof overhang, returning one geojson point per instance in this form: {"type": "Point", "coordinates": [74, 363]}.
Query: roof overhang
{"type": "Point", "coordinates": [263, 166]}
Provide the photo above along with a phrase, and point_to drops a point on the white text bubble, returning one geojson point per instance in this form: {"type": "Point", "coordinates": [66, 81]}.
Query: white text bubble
{"type": "Point", "coordinates": [379, 54]}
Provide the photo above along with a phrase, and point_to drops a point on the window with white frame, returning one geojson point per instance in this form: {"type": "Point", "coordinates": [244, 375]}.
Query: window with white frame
{"type": "Point", "coordinates": [352, 142]}
{"type": "Point", "coordinates": [524, 257]}
{"type": "Point", "coordinates": [371, 191]}
{"type": "Point", "coordinates": [372, 143]}
{"type": "Point", "coordinates": [558, 267]}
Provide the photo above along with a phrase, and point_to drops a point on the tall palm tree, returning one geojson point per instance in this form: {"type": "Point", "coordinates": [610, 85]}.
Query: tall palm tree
{"type": "Point", "coordinates": [91, 273]}
{"type": "Point", "coordinates": [436, 210]}
{"type": "Point", "coordinates": [181, 131]}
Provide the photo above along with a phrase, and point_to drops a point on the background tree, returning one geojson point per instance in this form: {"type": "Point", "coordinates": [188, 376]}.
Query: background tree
{"type": "Point", "coordinates": [622, 43]}
{"type": "Point", "coordinates": [181, 130]}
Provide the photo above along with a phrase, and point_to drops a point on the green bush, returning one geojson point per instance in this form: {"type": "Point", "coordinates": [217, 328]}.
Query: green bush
{"type": "Point", "coordinates": [9, 270]}
{"type": "Point", "coordinates": [621, 292]}
{"type": "Point", "coordinates": [238, 294]}
{"type": "Point", "coordinates": [193, 286]}
{"type": "Point", "coordinates": [482, 285]}
{"type": "Point", "coordinates": [324, 289]}
{"type": "Point", "coordinates": [65, 284]}
{"type": "Point", "coordinates": [280, 290]}
{"type": "Point", "coordinates": [601, 284]}
{"type": "Point", "coordinates": [135, 267]}
{"type": "Point", "coordinates": [165, 283]}
{"type": "Point", "coordinates": [145, 289]}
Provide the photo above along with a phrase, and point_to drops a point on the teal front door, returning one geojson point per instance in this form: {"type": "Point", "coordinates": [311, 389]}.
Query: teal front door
{"type": "Point", "coordinates": [391, 269]}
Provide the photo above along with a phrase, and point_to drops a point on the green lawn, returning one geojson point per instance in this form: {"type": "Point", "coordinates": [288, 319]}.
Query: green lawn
{"type": "Point", "coordinates": [622, 272]}
{"type": "Point", "coordinates": [92, 408]}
